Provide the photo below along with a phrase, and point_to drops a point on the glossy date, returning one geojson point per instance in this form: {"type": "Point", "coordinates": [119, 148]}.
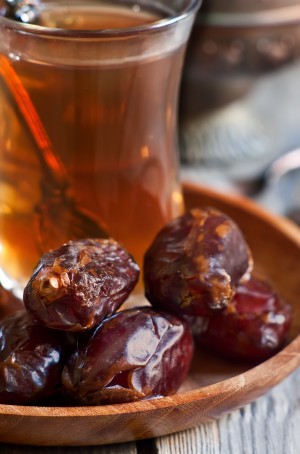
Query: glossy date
{"type": "Point", "coordinates": [79, 284]}
{"type": "Point", "coordinates": [31, 359]}
{"type": "Point", "coordinates": [136, 354]}
{"type": "Point", "coordinates": [254, 327]}
{"type": "Point", "coordinates": [195, 262]}
{"type": "Point", "coordinates": [8, 303]}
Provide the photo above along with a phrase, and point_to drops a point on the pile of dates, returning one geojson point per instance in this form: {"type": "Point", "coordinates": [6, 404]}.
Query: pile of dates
{"type": "Point", "coordinates": [200, 267]}
{"type": "Point", "coordinates": [73, 343]}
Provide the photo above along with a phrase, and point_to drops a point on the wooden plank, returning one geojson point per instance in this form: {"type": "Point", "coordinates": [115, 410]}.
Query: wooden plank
{"type": "Point", "coordinates": [124, 448]}
{"type": "Point", "coordinates": [269, 425]}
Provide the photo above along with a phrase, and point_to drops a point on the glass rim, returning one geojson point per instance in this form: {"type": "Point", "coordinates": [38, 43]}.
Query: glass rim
{"type": "Point", "coordinates": [34, 29]}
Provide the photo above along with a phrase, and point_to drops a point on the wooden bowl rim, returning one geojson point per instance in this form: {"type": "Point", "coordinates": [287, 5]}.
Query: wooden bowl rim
{"type": "Point", "coordinates": [223, 387]}
{"type": "Point", "coordinates": [286, 227]}
{"type": "Point", "coordinates": [290, 353]}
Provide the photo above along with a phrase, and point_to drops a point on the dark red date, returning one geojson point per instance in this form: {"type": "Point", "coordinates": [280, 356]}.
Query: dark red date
{"type": "Point", "coordinates": [253, 327]}
{"type": "Point", "coordinates": [9, 303]}
{"type": "Point", "coordinates": [135, 354]}
{"type": "Point", "coordinates": [31, 360]}
{"type": "Point", "coordinates": [195, 262]}
{"type": "Point", "coordinates": [79, 284]}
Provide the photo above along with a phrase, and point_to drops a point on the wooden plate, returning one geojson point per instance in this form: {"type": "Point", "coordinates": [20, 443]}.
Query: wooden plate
{"type": "Point", "coordinates": [214, 386]}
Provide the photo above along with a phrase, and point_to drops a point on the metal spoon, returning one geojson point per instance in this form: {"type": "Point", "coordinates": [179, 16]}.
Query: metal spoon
{"type": "Point", "coordinates": [281, 186]}
{"type": "Point", "coordinates": [58, 218]}
{"type": "Point", "coordinates": [282, 166]}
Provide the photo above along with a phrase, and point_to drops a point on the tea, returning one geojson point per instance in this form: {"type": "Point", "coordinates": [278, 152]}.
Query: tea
{"type": "Point", "coordinates": [112, 125]}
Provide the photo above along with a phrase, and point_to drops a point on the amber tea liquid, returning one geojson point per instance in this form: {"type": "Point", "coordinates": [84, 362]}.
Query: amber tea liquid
{"type": "Point", "coordinates": [111, 123]}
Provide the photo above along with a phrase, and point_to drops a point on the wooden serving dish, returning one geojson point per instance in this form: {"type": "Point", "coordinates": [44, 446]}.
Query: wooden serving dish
{"type": "Point", "coordinates": [214, 386]}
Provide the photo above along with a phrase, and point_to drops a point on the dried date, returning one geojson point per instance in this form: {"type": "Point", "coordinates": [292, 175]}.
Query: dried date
{"type": "Point", "coordinates": [79, 284]}
{"type": "Point", "coordinates": [9, 303]}
{"type": "Point", "coordinates": [135, 354]}
{"type": "Point", "coordinates": [195, 262]}
{"type": "Point", "coordinates": [31, 359]}
{"type": "Point", "coordinates": [253, 327]}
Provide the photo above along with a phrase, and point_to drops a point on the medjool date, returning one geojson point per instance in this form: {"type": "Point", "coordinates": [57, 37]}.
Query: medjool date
{"type": "Point", "coordinates": [253, 327]}
{"type": "Point", "coordinates": [195, 262]}
{"type": "Point", "coordinates": [79, 284]}
{"type": "Point", "coordinates": [9, 303]}
{"type": "Point", "coordinates": [31, 359]}
{"type": "Point", "coordinates": [135, 354]}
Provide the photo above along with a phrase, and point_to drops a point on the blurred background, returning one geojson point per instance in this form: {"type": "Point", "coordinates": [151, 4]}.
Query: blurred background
{"type": "Point", "coordinates": [240, 102]}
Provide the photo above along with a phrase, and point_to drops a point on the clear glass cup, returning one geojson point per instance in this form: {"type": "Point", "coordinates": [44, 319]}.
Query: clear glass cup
{"type": "Point", "coordinates": [88, 126]}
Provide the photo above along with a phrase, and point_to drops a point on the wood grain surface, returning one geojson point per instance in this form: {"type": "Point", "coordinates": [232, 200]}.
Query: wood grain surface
{"type": "Point", "coordinates": [270, 425]}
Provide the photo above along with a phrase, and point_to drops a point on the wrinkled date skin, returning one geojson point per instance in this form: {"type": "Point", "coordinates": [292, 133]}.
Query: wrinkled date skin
{"type": "Point", "coordinates": [195, 262]}
{"type": "Point", "coordinates": [79, 284]}
{"type": "Point", "coordinates": [31, 359]}
{"type": "Point", "coordinates": [254, 326]}
{"type": "Point", "coordinates": [136, 354]}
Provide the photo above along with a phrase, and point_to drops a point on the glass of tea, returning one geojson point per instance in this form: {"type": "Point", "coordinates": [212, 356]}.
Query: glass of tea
{"type": "Point", "coordinates": [88, 124]}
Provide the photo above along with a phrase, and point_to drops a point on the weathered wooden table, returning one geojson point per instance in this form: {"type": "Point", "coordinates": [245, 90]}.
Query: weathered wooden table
{"type": "Point", "coordinates": [270, 425]}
